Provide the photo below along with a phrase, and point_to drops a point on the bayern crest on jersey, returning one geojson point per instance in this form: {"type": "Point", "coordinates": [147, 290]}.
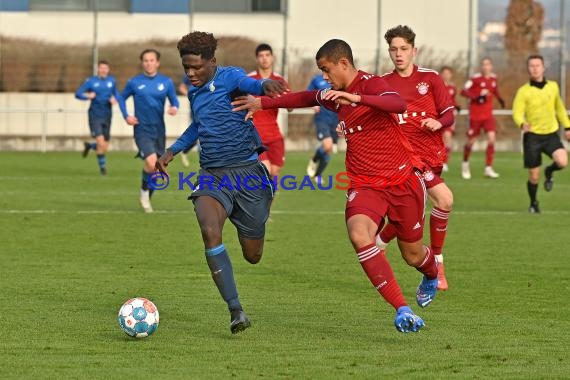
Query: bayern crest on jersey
{"type": "Point", "coordinates": [423, 88]}
{"type": "Point", "coordinates": [428, 176]}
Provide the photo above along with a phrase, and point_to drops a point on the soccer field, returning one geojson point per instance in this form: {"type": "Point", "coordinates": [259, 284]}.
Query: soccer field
{"type": "Point", "coordinates": [76, 245]}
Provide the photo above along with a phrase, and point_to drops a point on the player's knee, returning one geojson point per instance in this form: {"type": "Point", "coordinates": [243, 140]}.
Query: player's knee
{"type": "Point", "coordinates": [412, 257]}
{"type": "Point", "coordinates": [445, 202]}
{"type": "Point", "coordinates": [533, 177]}
{"type": "Point", "coordinates": [359, 238]}
{"type": "Point", "coordinates": [562, 161]}
{"type": "Point", "coordinates": [253, 257]}
{"type": "Point", "coordinates": [327, 145]}
{"type": "Point", "coordinates": [211, 234]}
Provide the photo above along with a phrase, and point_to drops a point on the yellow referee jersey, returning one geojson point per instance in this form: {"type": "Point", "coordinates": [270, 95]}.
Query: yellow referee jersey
{"type": "Point", "coordinates": [542, 108]}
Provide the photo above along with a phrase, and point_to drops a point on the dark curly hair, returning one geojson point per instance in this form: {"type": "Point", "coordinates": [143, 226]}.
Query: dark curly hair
{"type": "Point", "coordinates": [198, 43]}
{"type": "Point", "coordinates": [402, 31]}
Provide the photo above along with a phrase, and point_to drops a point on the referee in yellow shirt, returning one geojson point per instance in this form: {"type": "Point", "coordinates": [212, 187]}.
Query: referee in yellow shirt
{"type": "Point", "coordinates": [538, 110]}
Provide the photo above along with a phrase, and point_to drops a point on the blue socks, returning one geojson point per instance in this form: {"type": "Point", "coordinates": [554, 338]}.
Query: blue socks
{"type": "Point", "coordinates": [325, 158]}
{"type": "Point", "coordinates": [145, 177]}
{"type": "Point", "coordinates": [101, 161]}
{"type": "Point", "coordinates": [319, 153]}
{"type": "Point", "coordinates": [223, 275]}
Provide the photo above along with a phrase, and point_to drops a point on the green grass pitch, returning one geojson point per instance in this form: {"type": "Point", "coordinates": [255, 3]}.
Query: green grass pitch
{"type": "Point", "coordinates": [76, 245]}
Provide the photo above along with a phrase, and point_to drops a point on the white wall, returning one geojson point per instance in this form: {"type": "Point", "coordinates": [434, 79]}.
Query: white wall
{"type": "Point", "coordinates": [62, 115]}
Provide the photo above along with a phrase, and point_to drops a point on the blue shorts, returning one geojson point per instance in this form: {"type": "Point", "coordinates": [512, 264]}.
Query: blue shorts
{"type": "Point", "coordinates": [325, 130]}
{"type": "Point", "coordinates": [100, 127]}
{"type": "Point", "coordinates": [149, 145]}
{"type": "Point", "coordinates": [245, 191]}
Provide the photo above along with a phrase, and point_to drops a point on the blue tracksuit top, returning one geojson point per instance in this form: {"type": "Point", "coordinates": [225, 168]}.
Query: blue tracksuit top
{"type": "Point", "coordinates": [103, 88]}
{"type": "Point", "coordinates": [149, 95]}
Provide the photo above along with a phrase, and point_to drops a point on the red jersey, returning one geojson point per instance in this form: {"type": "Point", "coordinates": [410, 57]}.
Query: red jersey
{"type": "Point", "coordinates": [426, 97]}
{"type": "Point", "coordinates": [480, 105]}
{"type": "Point", "coordinates": [375, 144]}
{"type": "Point", "coordinates": [452, 91]}
{"type": "Point", "coordinates": [265, 121]}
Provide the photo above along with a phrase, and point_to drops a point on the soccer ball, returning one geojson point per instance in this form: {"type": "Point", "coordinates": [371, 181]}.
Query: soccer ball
{"type": "Point", "coordinates": [138, 317]}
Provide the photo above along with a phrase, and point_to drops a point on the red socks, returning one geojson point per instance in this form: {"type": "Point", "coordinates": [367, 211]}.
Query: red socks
{"type": "Point", "coordinates": [466, 152]}
{"type": "Point", "coordinates": [438, 229]}
{"type": "Point", "coordinates": [428, 267]}
{"type": "Point", "coordinates": [489, 154]}
{"type": "Point", "coordinates": [380, 274]}
{"type": "Point", "coordinates": [388, 233]}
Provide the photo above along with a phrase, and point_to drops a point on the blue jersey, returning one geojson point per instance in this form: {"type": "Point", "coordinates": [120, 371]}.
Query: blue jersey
{"type": "Point", "coordinates": [149, 95]}
{"type": "Point", "coordinates": [325, 115]}
{"type": "Point", "coordinates": [225, 137]}
{"type": "Point", "coordinates": [104, 89]}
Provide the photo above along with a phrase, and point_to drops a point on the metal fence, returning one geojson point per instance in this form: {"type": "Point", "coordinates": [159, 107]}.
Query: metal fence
{"type": "Point", "coordinates": [61, 125]}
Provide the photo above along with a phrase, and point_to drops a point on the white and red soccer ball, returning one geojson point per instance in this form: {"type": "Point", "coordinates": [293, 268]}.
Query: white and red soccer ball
{"type": "Point", "coordinates": [138, 317]}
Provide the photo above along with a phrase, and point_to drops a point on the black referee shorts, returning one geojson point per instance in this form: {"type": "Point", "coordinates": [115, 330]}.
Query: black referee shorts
{"type": "Point", "coordinates": [534, 145]}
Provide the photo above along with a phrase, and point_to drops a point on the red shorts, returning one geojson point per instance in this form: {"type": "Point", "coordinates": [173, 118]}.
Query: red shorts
{"type": "Point", "coordinates": [475, 126]}
{"type": "Point", "coordinates": [432, 176]}
{"type": "Point", "coordinates": [275, 153]}
{"type": "Point", "coordinates": [404, 205]}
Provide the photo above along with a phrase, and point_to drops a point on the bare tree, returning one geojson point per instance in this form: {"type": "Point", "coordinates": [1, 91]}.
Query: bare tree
{"type": "Point", "coordinates": [525, 21]}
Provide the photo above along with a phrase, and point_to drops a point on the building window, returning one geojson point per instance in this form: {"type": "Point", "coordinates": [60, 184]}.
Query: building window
{"type": "Point", "coordinates": [236, 6]}
{"type": "Point", "coordinates": [80, 5]}
{"type": "Point", "coordinates": [266, 5]}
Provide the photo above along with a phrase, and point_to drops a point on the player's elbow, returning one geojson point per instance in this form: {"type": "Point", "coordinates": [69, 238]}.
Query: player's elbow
{"type": "Point", "coordinates": [400, 106]}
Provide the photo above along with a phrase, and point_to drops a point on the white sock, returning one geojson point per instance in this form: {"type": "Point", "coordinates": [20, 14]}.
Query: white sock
{"type": "Point", "coordinates": [380, 243]}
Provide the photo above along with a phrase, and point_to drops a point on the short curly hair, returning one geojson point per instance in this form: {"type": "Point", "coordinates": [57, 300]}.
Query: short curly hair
{"type": "Point", "coordinates": [402, 31]}
{"type": "Point", "coordinates": [198, 43]}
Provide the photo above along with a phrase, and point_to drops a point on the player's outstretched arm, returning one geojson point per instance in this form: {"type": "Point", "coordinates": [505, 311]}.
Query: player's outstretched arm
{"type": "Point", "coordinates": [291, 100]}
{"type": "Point", "coordinates": [247, 103]}
{"type": "Point", "coordinates": [274, 88]}
{"type": "Point", "coordinates": [186, 140]}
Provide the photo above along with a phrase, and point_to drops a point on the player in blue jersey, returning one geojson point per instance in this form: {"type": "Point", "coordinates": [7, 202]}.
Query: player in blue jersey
{"type": "Point", "coordinates": [149, 90]}
{"type": "Point", "coordinates": [325, 126]}
{"type": "Point", "coordinates": [101, 90]}
{"type": "Point", "coordinates": [238, 187]}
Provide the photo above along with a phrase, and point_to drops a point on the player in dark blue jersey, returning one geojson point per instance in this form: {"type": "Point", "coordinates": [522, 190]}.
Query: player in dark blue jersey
{"type": "Point", "coordinates": [325, 126]}
{"type": "Point", "coordinates": [149, 90]}
{"type": "Point", "coordinates": [238, 185]}
{"type": "Point", "coordinates": [101, 90]}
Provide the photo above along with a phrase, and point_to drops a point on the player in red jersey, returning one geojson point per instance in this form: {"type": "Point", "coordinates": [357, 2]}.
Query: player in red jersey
{"type": "Point", "coordinates": [480, 89]}
{"type": "Point", "coordinates": [429, 111]}
{"type": "Point", "coordinates": [266, 120]}
{"type": "Point", "coordinates": [380, 165]}
{"type": "Point", "coordinates": [446, 73]}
